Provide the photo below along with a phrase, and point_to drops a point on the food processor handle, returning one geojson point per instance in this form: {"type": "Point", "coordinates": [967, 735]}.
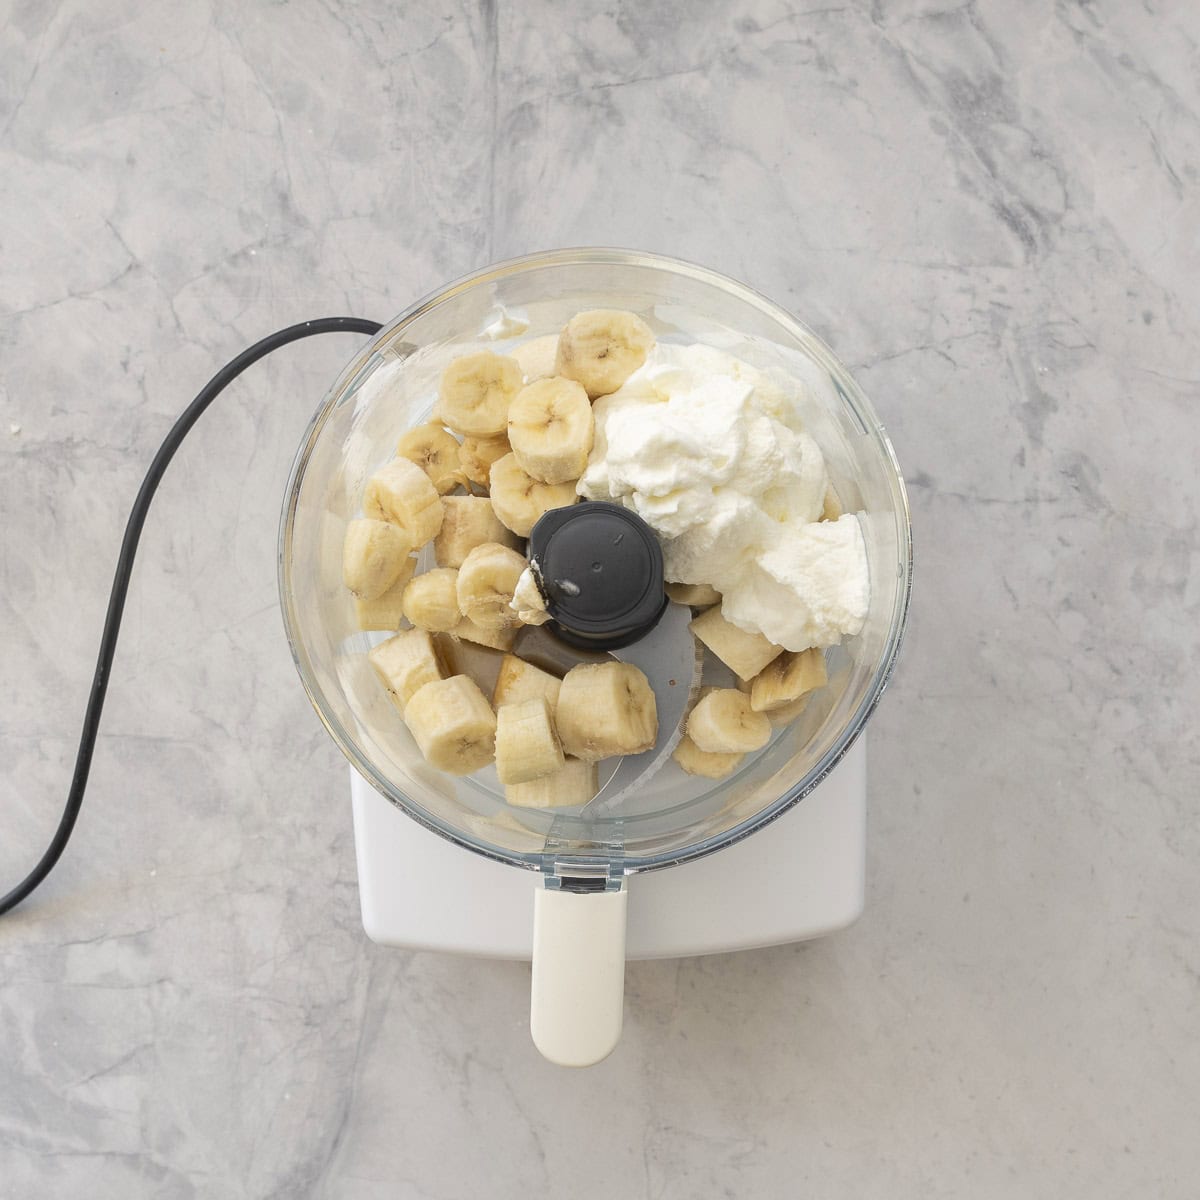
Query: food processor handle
{"type": "Point", "coordinates": [578, 974]}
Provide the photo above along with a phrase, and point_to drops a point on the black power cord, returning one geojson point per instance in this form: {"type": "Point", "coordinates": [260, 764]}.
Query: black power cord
{"type": "Point", "coordinates": [116, 600]}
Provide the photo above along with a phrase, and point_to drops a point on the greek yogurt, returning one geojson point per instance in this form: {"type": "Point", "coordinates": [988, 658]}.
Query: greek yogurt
{"type": "Point", "coordinates": [711, 453]}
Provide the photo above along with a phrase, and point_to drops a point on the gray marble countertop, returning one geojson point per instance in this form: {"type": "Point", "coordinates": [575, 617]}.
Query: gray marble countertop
{"type": "Point", "coordinates": [990, 209]}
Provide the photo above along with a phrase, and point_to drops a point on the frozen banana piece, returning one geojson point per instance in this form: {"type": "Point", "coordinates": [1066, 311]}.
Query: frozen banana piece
{"type": "Point", "coordinates": [496, 639]}
{"type": "Point", "coordinates": [604, 710]}
{"type": "Point", "coordinates": [404, 495]}
{"type": "Point", "coordinates": [477, 454]}
{"type": "Point", "coordinates": [786, 714]}
{"type": "Point", "coordinates": [453, 724]}
{"type": "Point", "coordinates": [574, 783]}
{"type": "Point", "coordinates": [601, 349]}
{"type": "Point", "coordinates": [550, 429]}
{"type": "Point", "coordinates": [374, 554]}
{"type": "Point", "coordinates": [526, 745]}
{"type": "Point", "coordinates": [745, 654]}
{"type": "Point", "coordinates": [520, 680]}
{"type": "Point", "coordinates": [486, 582]}
{"type": "Point", "coordinates": [385, 612]}
{"type": "Point", "coordinates": [467, 522]}
{"type": "Point", "coordinates": [784, 681]}
{"type": "Point", "coordinates": [724, 723]}
{"type": "Point", "coordinates": [405, 664]}
{"type": "Point", "coordinates": [431, 600]}
{"type": "Point", "coordinates": [435, 451]}
{"type": "Point", "coordinates": [536, 357]}
{"type": "Point", "coordinates": [476, 391]}
{"type": "Point", "coordinates": [700, 762]}
{"type": "Point", "coordinates": [519, 499]}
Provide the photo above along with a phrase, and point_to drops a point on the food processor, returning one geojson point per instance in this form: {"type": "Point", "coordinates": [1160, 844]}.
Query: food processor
{"type": "Point", "coordinates": [444, 862]}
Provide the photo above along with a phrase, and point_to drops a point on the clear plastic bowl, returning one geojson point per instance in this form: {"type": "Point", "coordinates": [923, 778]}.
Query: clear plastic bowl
{"type": "Point", "coordinates": [391, 385]}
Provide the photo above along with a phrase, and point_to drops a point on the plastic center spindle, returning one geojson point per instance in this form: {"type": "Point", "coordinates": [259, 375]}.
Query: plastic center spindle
{"type": "Point", "coordinates": [601, 571]}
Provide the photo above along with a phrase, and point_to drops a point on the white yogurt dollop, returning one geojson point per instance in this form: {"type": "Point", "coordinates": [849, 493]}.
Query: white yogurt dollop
{"type": "Point", "coordinates": [527, 601]}
{"type": "Point", "coordinates": [710, 452]}
{"type": "Point", "coordinates": [505, 323]}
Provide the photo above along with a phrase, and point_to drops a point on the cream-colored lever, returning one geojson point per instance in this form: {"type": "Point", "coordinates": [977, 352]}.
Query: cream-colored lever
{"type": "Point", "coordinates": [578, 974]}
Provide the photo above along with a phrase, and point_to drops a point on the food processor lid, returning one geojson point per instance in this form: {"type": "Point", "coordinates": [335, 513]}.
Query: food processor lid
{"type": "Point", "coordinates": [599, 568]}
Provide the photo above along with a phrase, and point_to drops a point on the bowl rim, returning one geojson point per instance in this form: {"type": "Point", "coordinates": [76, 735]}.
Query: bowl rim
{"type": "Point", "coordinates": [618, 864]}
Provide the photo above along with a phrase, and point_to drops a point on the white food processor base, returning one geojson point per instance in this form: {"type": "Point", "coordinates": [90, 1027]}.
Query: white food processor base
{"type": "Point", "coordinates": [800, 877]}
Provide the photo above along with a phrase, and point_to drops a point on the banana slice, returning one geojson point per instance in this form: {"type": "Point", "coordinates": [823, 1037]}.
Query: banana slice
{"type": "Point", "coordinates": [724, 723]}
{"type": "Point", "coordinates": [476, 391]}
{"type": "Point", "coordinates": [606, 709]}
{"type": "Point", "coordinates": [496, 639]}
{"type": "Point", "coordinates": [789, 712]}
{"type": "Point", "coordinates": [519, 499]}
{"type": "Point", "coordinates": [536, 357]}
{"type": "Point", "coordinates": [526, 745]}
{"type": "Point", "coordinates": [695, 595]}
{"type": "Point", "coordinates": [785, 680]}
{"type": "Point", "coordinates": [487, 580]}
{"type": "Point", "coordinates": [602, 348]}
{"type": "Point", "coordinates": [405, 664]}
{"type": "Point", "coordinates": [431, 600]}
{"type": "Point", "coordinates": [699, 762]}
{"type": "Point", "coordinates": [404, 495]}
{"type": "Point", "coordinates": [435, 451]}
{"type": "Point", "coordinates": [467, 522]}
{"type": "Point", "coordinates": [550, 429]}
{"type": "Point", "coordinates": [575, 782]}
{"type": "Point", "coordinates": [745, 654]}
{"type": "Point", "coordinates": [832, 507]}
{"type": "Point", "coordinates": [477, 456]}
{"type": "Point", "coordinates": [453, 725]}
{"type": "Point", "coordinates": [519, 680]}
{"type": "Point", "coordinates": [373, 555]}
{"type": "Point", "coordinates": [695, 761]}
{"type": "Point", "coordinates": [386, 611]}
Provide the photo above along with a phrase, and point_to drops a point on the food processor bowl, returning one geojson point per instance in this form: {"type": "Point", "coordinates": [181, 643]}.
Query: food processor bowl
{"type": "Point", "coordinates": [669, 817]}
